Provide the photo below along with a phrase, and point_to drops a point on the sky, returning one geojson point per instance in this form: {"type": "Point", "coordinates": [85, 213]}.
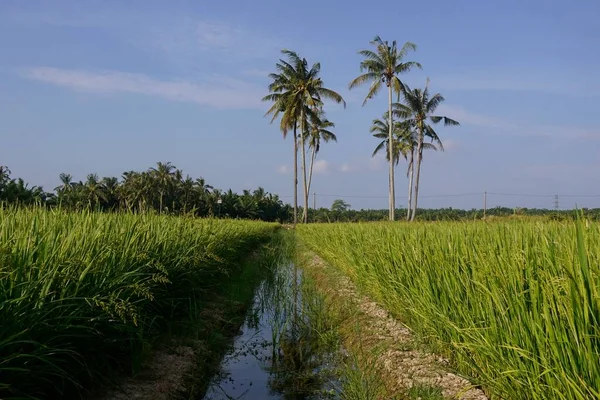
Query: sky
{"type": "Point", "coordinates": [111, 86]}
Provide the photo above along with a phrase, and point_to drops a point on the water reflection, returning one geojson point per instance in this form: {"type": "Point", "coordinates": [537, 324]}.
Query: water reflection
{"type": "Point", "coordinates": [278, 353]}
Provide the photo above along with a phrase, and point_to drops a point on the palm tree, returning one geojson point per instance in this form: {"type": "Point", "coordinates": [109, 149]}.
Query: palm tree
{"type": "Point", "coordinates": [318, 131]}
{"type": "Point", "coordinates": [411, 142]}
{"type": "Point", "coordinates": [383, 66]}
{"type": "Point", "coordinates": [417, 110]}
{"type": "Point", "coordinates": [4, 174]}
{"type": "Point", "coordinates": [295, 91]}
{"type": "Point", "coordinates": [163, 175]}
{"type": "Point", "coordinates": [405, 144]}
{"type": "Point", "coordinates": [93, 191]}
{"type": "Point", "coordinates": [380, 130]}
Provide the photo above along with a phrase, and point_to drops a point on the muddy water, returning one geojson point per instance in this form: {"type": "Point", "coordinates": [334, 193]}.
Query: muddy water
{"type": "Point", "coordinates": [278, 354]}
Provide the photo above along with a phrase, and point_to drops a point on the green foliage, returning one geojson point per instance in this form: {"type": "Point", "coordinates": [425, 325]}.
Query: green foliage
{"type": "Point", "coordinates": [515, 305]}
{"type": "Point", "coordinates": [162, 189]}
{"type": "Point", "coordinates": [451, 214]}
{"type": "Point", "coordinates": [339, 205]}
{"type": "Point", "coordinates": [84, 293]}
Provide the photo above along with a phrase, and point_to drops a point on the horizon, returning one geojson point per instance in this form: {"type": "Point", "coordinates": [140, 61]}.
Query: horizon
{"type": "Point", "coordinates": [106, 87]}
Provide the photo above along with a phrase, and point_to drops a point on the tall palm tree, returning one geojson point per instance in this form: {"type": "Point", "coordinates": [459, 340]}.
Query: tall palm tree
{"type": "Point", "coordinates": [163, 174]}
{"type": "Point", "coordinates": [296, 91]}
{"type": "Point", "coordinates": [383, 66]}
{"type": "Point", "coordinates": [417, 110]}
{"type": "Point", "coordinates": [318, 131]}
{"type": "Point", "coordinates": [405, 143]}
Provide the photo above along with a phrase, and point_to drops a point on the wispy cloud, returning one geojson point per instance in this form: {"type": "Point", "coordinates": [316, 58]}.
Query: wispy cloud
{"type": "Point", "coordinates": [376, 163]}
{"type": "Point", "coordinates": [346, 168]}
{"type": "Point", "coordinates": [499, 125]}
{"type": "Point", "coordinates": [563, 172]}
{"type": "Point", "coordinates": [469, 118]}
{"type": "Point", "coordinates": [178, 37]}
{"type": "Point", "coordinates": [283, 169]}
{"type": "Point", "coordinates": [449, 144]}
{"type": "Point", "coordinates": [521, 81]}
{"type": "Point", "coordinates": [215, 91]}
{"type": "Point", "coordinates": [188, 41]}
{"type": "Point", "coordinates": [321, 167]}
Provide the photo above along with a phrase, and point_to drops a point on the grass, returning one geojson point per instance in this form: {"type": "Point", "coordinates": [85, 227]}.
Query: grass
{"type": "Point", "coordinates": [82, 294]}
{"type": "Point", "coordinates": [515, 305]}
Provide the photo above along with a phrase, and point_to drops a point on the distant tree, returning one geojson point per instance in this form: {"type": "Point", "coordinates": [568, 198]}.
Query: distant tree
{"type": "Point", "coordinates": [163, 175]}
{"type": "Point", "coordinates": [339, 205]}
{"type": "Point", "coordinates": [383, 66]}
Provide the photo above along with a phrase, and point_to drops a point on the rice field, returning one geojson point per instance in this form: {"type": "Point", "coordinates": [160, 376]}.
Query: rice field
{"type": "Point", "coordinates": [84, 294]}
{"type": "Point", "coordinates": [514, 304]}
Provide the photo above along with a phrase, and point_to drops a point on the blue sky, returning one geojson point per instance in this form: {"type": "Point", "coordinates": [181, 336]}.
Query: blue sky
{"type": "Point", "coordinates": [110, 86]}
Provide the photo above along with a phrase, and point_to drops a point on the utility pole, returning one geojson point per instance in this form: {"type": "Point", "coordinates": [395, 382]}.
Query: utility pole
{"type": "Point", "coordinates": [314, 200]}
{"type": "Point", "coordinates": [556, 202]}
{"type": "Point", "coordinates": [484, 204]}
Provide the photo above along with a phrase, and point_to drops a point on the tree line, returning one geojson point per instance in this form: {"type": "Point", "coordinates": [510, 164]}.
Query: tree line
{"type": "Point", "coordinates": [163, 189]}
{"type": "Point", "coordinates": [297, 94]}
{"type": "Point", "coordinates": [340, 212]}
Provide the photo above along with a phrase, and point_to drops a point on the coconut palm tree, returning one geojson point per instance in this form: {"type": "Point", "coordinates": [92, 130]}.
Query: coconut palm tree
{"type": "Point", "coordinates": [93, 191]}
{"type": "Point", "coordinates": [405, 143]}
{"type": "Point", "coordinates": [384, 65]}
{"type": "Point", "coordinates": [296, 91]}
{"type": "Point", "coordinates": [163, 174]}
{"type": "Point", "coordinates": [318, 131]}
{"type": "Point", "coordinates": [417, 111]}
{"type": "Point", "coordinates": [380, 130]}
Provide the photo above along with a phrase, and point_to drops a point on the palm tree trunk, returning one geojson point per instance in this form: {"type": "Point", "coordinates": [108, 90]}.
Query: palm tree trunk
{"type": "Point", "coordinates": [391, 151]}
{"type": "Point", "coordinates": [310, 170]}
{"type": "Point", "coordinates": [161, 203]}
{"type": "Point", "coordinates": [419, 159]}
{"type": "Point", "coordinates": [295, 176]}
{"type": "Point", "coordinates": [411, 173]}
{"type": "Point", "coordinates": [304, 180]}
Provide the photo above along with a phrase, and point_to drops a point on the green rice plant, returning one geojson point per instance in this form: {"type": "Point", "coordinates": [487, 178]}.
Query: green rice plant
{"type": "Point", "coordinates": [82, 294]}
{"type": "Point", "coordinates": [515, 304]}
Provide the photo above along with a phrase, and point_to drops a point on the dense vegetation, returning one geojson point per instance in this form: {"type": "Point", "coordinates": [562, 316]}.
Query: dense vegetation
{"type": "Point", "coordinates": [515, 305]}
{"type": "Point", "coordinates": [163, 189]}
{"type": "Point", "coordinates": [83, 294]}
{"type": "Point", "coordinates": [337, 214]}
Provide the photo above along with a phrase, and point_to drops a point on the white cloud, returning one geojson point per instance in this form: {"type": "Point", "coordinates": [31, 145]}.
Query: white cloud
{"type": "Point", "coordinates": [563, 172]}
{"type": "Point", "coordinates": [283, 169]}
{"type": "Point", "coordinates": [346, 167]}
{"type": "Point", "coordinates": [321, 167]}
{"type": "Point", "coordinates": [377, 163]}
{"type": "Point", "coordinates": [188, 41]}
{"type": "Point", "coordinates": [449, 144]}
{"type": "Point", "coordinates": [521, 81]}
{"type": "Point", "coordinates": [215, 91]}
{"type": "Point", "coordinates": [468, 118]}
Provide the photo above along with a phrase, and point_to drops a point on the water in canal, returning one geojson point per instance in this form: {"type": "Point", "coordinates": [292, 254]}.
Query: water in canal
{"type": "Point", "coordinates": [282, 350]}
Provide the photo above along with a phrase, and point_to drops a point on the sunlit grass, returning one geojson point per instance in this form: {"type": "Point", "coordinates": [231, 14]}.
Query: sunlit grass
{"type": "Point", "coordinates": [514, 304]}
{"type": "Point", "coordinates": [83, 293]}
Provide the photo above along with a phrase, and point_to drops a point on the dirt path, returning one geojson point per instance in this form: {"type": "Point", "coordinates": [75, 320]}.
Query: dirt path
{"type": "Point", "coordinates": [392, 343]}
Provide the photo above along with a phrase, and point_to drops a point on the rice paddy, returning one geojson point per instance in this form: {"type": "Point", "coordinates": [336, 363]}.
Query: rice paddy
{"type": "Point", "coordinates": [84, 294]}
{"type": "Point", "coordinates": [515, 305]}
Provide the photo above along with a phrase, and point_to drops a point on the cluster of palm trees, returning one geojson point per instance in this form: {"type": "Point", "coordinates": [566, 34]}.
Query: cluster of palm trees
{"type": "Point", "coordinates": [17, 191]}
{"type": "Point", "coordinates": [162, 189]}
{"type": "Point", "coordinates": [297, 93]}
